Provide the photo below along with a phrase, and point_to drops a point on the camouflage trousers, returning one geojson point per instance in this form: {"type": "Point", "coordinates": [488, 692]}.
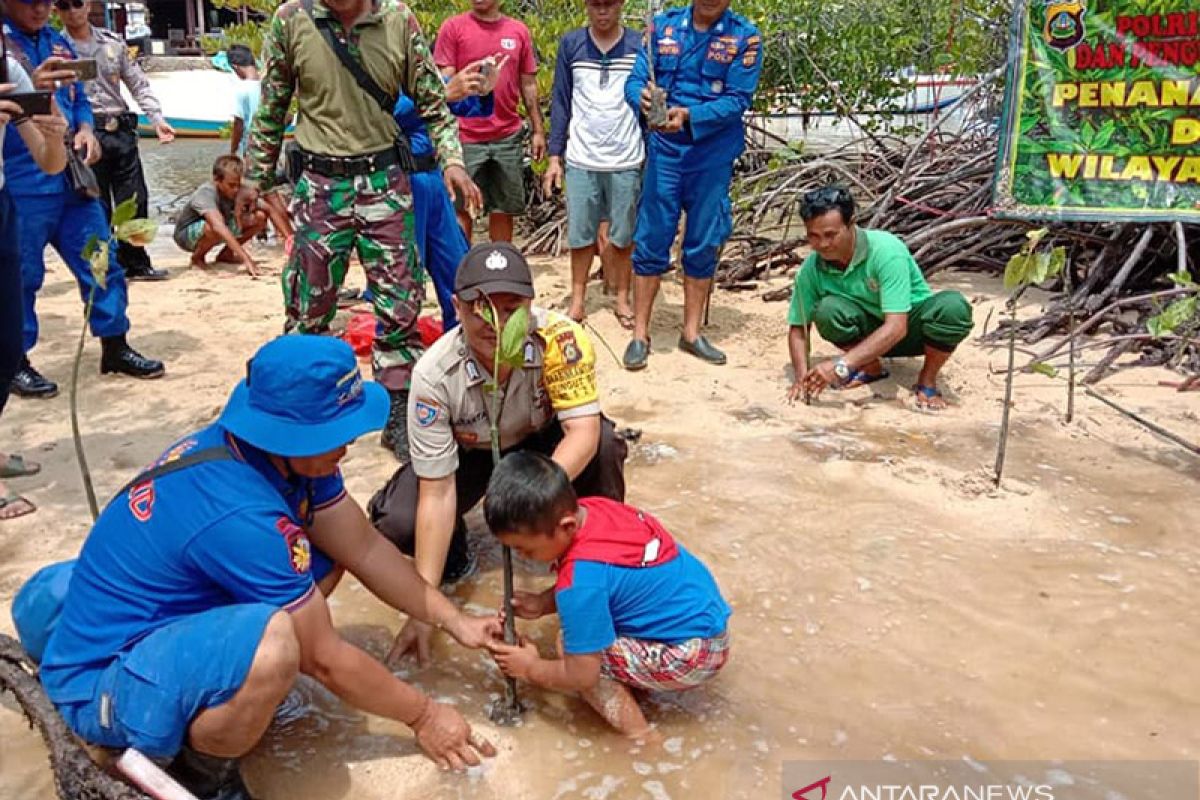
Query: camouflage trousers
{"type": "Point", "coordinates": [371, 215]}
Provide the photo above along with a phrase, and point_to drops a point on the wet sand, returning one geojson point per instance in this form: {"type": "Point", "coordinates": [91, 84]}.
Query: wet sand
{"type": "Point", "coordinates": [887, 602]}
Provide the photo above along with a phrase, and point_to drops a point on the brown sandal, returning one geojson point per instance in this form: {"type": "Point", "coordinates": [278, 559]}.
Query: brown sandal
{"type": "Point", "coordinates": [14, 501]}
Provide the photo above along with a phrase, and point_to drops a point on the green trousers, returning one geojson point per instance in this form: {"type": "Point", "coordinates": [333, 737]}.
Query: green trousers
{"type": "Point", "coordinates": [940, 322]}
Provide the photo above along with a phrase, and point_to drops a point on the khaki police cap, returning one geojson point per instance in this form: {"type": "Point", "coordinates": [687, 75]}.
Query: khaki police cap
{"type": "Point", "coordinates": [493, 268]}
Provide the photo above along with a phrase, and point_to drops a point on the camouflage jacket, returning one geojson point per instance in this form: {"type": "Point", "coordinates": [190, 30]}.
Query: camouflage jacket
{"type": "Point", "coordinates": [334, 115]}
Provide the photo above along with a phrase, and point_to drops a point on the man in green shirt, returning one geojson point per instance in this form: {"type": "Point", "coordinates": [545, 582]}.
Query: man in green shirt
{"type": "Point", "coordinates": [865, 293]}
{"type": "Point", "coordinates": [353, 192]}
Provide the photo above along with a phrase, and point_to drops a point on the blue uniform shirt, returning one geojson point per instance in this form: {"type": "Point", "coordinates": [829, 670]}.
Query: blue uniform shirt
{"type": "Point", "coordinates": [214, 534]}
{"type": "Point", "coordinates": [712, 73]}
{"type": "Point", "coordinates": [669, 603]}
{"type": "Point", "coordinates": [21, 174]}
{"type": "Point", "coordinates": [405, 112]}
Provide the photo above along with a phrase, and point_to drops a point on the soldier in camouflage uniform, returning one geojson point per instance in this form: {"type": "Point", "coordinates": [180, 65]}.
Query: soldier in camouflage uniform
{"type": "Point", "coordinates": [353, 193]}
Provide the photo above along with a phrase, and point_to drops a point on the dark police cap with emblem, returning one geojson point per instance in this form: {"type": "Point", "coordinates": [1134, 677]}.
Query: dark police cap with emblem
{"type": "Point", "coordinates": [493, 268]}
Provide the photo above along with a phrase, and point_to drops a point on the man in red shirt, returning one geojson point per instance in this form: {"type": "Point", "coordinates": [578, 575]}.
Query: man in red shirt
{"type": "Point", "coordinates": [494, 147]}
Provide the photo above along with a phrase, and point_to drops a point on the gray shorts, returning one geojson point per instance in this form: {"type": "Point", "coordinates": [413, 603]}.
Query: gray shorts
{"type": "Point", "coordinates": [499, 169]}
{"type": "Point", "coordinates": [593, 196]}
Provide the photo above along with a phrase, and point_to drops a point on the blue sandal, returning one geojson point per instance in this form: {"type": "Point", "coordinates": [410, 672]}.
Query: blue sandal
{"type": "Point", "coordinates": [927, 392]}
{"type": "Point", "coordinates": [863, 379]}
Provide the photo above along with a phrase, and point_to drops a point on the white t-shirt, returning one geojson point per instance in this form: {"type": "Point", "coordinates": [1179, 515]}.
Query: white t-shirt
{"type": "Point", "coordinates": [18, 76]}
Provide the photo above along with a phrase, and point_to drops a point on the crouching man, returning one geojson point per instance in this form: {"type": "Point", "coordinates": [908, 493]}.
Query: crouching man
{"type": "Point", "coordinates": [200, 593]}
{"type": "Point", "coordinates": [866, 295]}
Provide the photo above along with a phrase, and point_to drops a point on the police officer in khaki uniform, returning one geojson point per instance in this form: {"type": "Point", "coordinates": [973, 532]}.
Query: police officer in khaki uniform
{"type": "Point", "coordinates": [119, 169]}
{"type": "Point", "coordinates": [550, 404]}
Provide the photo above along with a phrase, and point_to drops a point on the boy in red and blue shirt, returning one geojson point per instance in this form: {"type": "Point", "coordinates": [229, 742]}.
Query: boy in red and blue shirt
{"type": "Point", "coordinates": [637, 609]}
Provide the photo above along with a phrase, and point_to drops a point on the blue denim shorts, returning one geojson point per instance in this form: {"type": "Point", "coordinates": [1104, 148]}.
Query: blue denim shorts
{"type": "Point", "coordinates": [150, 693]}
{"type": "Point", "coordinates": [593, 196]}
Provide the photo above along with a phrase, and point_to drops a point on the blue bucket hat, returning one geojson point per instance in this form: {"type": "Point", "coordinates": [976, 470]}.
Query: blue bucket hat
{"type": "Point", "coordinates": [303, 395]}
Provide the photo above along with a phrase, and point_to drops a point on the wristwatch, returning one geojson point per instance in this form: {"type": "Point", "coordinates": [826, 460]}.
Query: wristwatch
{"type": "Point", "coordinates": [842, 370]}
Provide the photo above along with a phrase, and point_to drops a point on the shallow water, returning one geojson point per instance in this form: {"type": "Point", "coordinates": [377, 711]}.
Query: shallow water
{"type": "Point", "coordinates": [867, 624]}
{"type": "Point", "coordinates": [173, 171]}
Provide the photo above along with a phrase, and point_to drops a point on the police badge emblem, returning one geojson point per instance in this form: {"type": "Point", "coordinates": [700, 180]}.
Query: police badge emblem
{"type": "Point", "coordinates": [1064, 26]}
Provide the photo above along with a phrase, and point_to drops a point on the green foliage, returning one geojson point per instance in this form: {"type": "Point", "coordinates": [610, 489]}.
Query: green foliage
{"type": "Point", "coordinates": [125, 212]}
{"type": "Point", "coordinates": [1173, 317]}
{"type": "Point", "coordinates": [1042, 368]}
{"type": "Point", "coordinates": [511, 350]}
{"type": "Point", "coordinates": [95, 252]}
{"type": "Point", "coordinates": [138, 232]}
{"type": "Point", "coordinates": [1031, 265]}
{"type": "Point", "coordinates": [859, 45]}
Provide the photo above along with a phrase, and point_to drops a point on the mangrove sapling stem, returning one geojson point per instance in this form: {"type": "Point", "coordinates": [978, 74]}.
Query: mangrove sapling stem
{"type": "Point", "coordinates": [76, 437]}
{"type": "Point", "coordinates": [512, 705]}
{"type": "Point", "coordinates": [1005, 412]}
{"type": "Point", "coordinates": [1071, 347]}
{"type": "Point", "coordinates": [1181, 250]}
{"type": "Point", "coordinates": [1152, 426]}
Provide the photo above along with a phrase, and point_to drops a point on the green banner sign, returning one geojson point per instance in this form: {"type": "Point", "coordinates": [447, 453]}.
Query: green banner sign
{"type": "Point", "coordinates": [1102, 112]}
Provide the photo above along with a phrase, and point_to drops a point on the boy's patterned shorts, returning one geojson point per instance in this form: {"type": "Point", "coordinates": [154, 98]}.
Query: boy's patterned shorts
{"type": "Point", "coordinates": [665, 667]}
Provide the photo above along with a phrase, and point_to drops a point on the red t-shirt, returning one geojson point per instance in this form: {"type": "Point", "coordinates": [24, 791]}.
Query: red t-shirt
{"type": "Point", "coordinates": [463, 39]}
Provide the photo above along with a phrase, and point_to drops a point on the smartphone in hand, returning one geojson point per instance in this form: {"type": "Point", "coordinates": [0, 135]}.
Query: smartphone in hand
{"type": "Point", "coordinates": [31, 103]}
{"type": "Point", "coordinates": [84, 68]}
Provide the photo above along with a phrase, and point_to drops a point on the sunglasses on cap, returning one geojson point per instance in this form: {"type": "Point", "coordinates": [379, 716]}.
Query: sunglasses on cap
{"type": "Point", "coordinates": [66, 5]}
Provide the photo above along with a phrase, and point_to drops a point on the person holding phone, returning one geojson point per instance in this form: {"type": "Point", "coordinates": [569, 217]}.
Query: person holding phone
{"type": "Point", "coordinates": [494, 146]}
{"type": "Point", "coordinates": [52, 212]}
{"type": "Point", "coordinates": [43, 136]}
{"type": "Point", "coordinates": [119, 170]}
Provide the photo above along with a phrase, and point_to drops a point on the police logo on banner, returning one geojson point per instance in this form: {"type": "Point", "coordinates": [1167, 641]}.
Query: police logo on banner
{"type": "Point", "coordinates": [427, 413]}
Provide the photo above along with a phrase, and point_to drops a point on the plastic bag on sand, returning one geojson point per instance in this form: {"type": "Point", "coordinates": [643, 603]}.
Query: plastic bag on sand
{"type": "Point", "coordinates": [360, 332]}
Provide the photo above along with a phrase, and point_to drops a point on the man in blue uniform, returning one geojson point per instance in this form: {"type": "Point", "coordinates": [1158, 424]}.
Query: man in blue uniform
{"type": "Point", "coordinates": [197, 597]}
{"type": "Point", "coordinates": [440, 239]}
{"type": "Point", "coordinates": [707, 60]}
{"type": "Point", "coordinates": [52, 213]}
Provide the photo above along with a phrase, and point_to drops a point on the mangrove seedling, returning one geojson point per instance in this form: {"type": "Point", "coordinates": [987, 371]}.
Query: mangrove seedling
{"type": "Point", "coordinates": [125, 228]}
{"type": "Point", "coordinates": [510, 352]}
{"type": "Point", "coordinates": [1028, 267]}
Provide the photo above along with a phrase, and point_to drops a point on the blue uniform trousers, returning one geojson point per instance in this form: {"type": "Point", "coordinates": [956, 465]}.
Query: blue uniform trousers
{"type": "Point", "coordinates": [67, 222]}
{"type": "Point", "coordinates": [10, 295]}
{"type": "Point", "coordinates": [681, 178]}
{"type": "Point", "coordinates": [440, 239]}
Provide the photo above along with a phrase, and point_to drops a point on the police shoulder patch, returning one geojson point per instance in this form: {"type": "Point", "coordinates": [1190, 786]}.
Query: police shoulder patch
{"type": "Point", "coordinates": [299, 550]}
{"type": "Point", "coordinates": [141, 501]}
{"type": "Point", "coordinates": [426, 412]}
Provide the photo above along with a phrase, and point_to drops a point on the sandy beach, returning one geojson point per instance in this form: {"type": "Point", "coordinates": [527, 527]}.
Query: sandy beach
{"type": "Point", "coordinates": [888, 602]}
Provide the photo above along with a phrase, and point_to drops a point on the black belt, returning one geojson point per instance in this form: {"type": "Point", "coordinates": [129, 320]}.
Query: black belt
{"type": "Point", "coordinates": [350, 166]}
{"type": "Point", "coordinates": [424, 163]}
{"type": "Point", "coordinates": [111, 123]}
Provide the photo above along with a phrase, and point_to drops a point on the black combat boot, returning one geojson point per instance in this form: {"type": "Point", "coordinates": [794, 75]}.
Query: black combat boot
{"type": "Point", "coordinates": [118, 356]}
{"type": "Point", "coordinates": [209, 777]}
{"type": "Point", "coordinates": [28, 382]}
{"type": "Point", "coordinates": [395, 433]}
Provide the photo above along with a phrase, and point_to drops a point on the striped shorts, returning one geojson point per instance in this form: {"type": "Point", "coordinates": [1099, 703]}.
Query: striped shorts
{"type": "Point", "coordinates": [665, 667]}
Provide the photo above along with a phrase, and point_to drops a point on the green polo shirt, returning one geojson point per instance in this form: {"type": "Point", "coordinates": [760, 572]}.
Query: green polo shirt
{"type": "Point", "coordinates": [334, 116]}
{"type": "Point", "coordinates": [883, 278]}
